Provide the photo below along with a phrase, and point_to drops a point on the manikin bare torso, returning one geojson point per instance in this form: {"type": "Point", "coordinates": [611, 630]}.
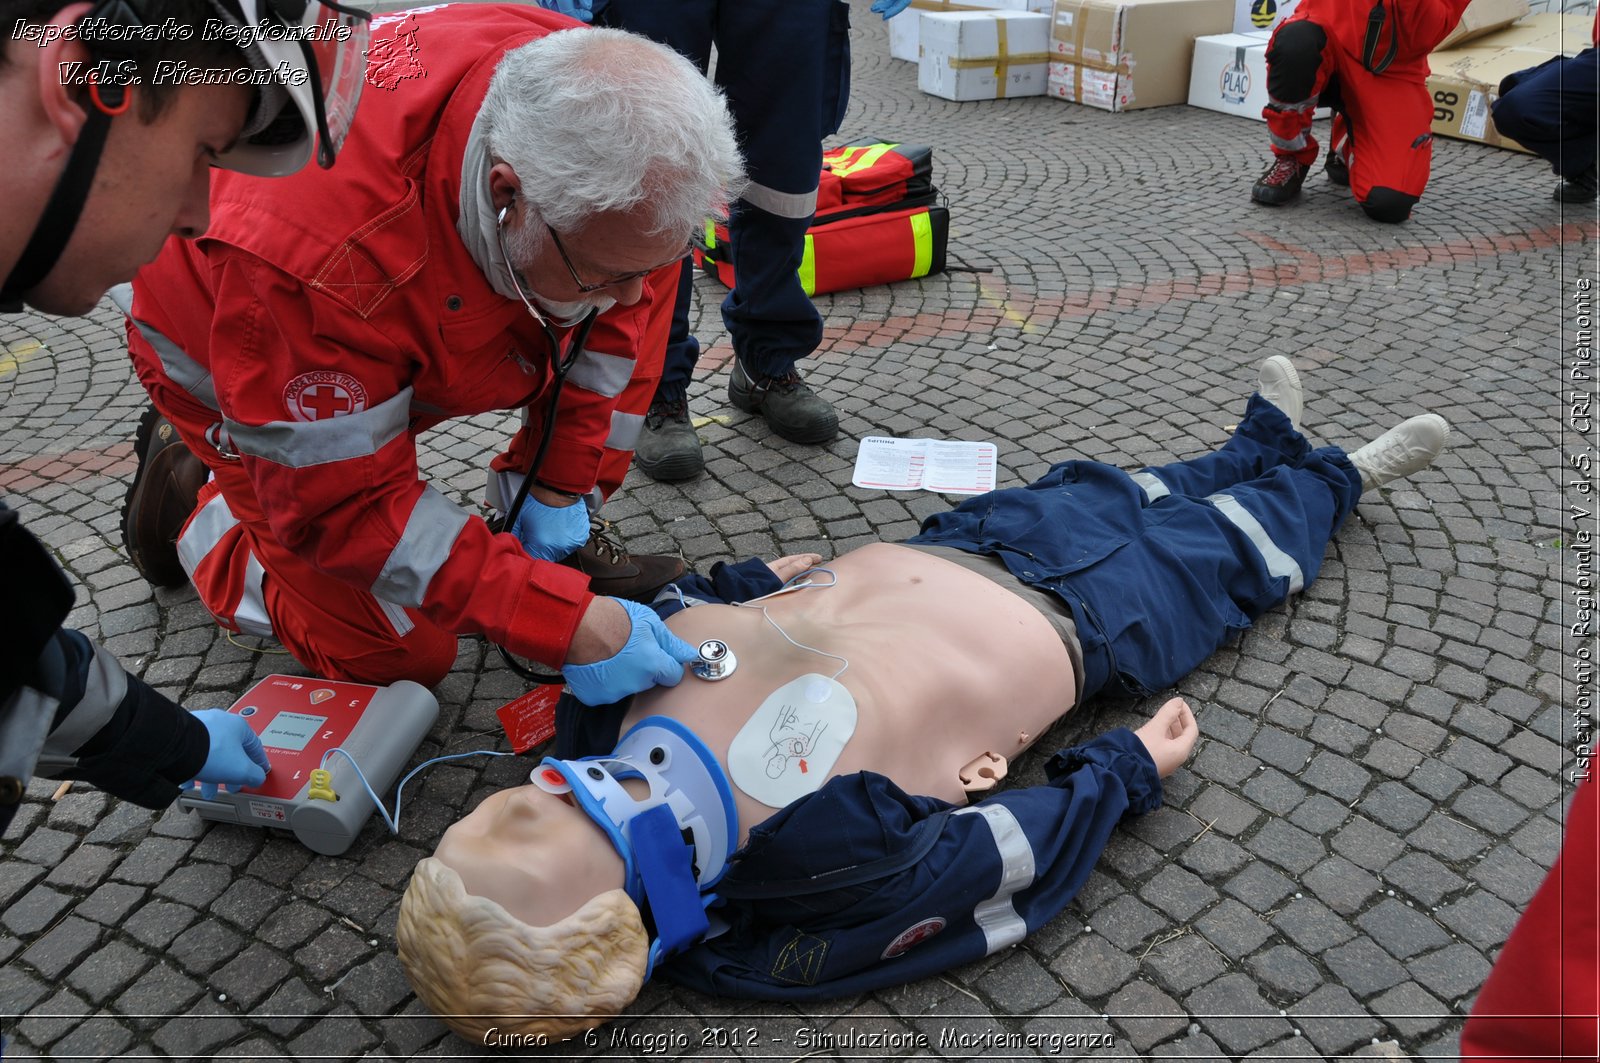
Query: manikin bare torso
{"type": "Point", "coordinates": [944, 666]}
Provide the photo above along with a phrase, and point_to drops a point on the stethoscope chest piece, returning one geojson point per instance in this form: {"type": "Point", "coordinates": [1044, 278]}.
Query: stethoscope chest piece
{"type": "Point", "coordinates": [716, 661]}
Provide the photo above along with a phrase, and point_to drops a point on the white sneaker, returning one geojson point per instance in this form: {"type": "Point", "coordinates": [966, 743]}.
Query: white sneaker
{"type": "Point", "coordinates": [1408, 447]}
{"type": "Point", "coordinates": [1279, 383]}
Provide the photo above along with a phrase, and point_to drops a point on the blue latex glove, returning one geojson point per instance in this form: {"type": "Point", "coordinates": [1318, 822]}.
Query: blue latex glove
{"type": "Point", "coordinates": [550, 533]}
{"type": "Point", "coordinates": [890, 8]}
{"type": "Point", "coordinates": [236, 759]}
{"type": "Point", "coordinates": [582, 10]}
{"type": "Point", "coordinates": [652, 656]}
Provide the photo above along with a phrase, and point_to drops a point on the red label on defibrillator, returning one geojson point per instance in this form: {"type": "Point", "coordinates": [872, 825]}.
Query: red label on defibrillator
{"type": "Point", "coordinates": [299, 719]}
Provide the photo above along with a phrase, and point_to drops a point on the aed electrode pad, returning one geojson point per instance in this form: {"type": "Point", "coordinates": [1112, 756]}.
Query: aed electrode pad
{"type": "Point", "coordinates": [789, 745]}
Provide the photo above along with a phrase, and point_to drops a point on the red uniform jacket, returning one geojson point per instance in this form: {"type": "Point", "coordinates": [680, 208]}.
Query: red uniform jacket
{"type": "Point", "coordinates": [339, 315]}
{"type": "Point", "coordinates": [1413, 27]}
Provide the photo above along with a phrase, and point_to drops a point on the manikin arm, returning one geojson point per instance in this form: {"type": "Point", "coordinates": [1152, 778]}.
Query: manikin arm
{"type": "Point", "coordinates": [906, 886]}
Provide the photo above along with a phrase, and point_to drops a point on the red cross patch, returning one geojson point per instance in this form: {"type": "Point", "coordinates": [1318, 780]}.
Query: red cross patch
{"type": "Point", "coordinates": [323, 394]}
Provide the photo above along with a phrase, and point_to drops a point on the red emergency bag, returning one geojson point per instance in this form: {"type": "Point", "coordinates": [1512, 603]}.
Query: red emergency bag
{"type": "Point", "coordinates": [877, 221]}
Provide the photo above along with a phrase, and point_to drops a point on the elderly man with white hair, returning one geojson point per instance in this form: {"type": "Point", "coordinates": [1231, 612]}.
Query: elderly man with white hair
{"type": "Point", "coordinates": [502, 233]}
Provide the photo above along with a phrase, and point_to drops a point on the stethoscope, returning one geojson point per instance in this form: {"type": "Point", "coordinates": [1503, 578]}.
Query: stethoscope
{"type": "Point", "coordinates": [580, 336]}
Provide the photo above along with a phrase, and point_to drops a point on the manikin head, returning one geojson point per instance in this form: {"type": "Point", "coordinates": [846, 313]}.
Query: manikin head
{"type": "Point", "coordinates": [529, 912]}
{"type": "Point", "coordinates": [519, 921]}
{"type": "Point", "coordinates": [609, 151]}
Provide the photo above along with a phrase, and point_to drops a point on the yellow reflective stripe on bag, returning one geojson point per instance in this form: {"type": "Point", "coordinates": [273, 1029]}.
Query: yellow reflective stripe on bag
{"type": "Point", "coordinates": [922, 239]}
{"type": "Point", "coordinates": [808, 267]}
{"type": "Point", "coordinates": [867, 158]}
{"type": "Point", "coordinates": [711, 233]}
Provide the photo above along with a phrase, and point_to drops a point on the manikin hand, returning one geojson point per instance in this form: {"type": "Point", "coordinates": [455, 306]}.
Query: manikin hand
{"type": "Point", "coordinates": [787, 568]}
{"type": "Point", "coordinates": [1170, 735]}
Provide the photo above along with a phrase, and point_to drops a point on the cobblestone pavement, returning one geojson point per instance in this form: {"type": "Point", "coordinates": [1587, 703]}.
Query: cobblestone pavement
{"type": "Point", "coordinates": [1378, 787]}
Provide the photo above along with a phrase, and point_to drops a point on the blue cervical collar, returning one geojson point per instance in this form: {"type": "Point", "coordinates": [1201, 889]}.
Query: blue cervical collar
{"type": "Point", "coordinates": [689, 793]}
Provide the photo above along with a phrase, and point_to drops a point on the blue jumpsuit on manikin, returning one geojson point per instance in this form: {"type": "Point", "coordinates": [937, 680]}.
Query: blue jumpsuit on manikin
{"type": "Point", "coordinates": [785, 67]}
{"type": "Point", "coordinates": [860, 885]}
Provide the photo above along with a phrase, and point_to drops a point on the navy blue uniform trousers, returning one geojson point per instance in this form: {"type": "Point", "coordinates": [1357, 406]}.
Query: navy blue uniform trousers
{"type": "Point", "coordinates": [1162, 566]}
{"type": "Point", "coordinates": [1550, 110]}
{"type": "Point", "coordinates": [785, 67]}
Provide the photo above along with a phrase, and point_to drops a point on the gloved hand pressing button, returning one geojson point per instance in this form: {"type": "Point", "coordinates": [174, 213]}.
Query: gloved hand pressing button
{"type": "Point", "coordinates": [652, 656]}
{"type": "Point", "coordinates": [889, 8]}
{"type": "Point", "coordinates": [550, 533]}
{"type": "Point", "coordinates": [236, 759]}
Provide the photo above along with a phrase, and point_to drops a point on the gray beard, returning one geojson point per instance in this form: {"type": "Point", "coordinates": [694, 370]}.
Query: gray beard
{"type": "Point", "coordinates": [523, 246]}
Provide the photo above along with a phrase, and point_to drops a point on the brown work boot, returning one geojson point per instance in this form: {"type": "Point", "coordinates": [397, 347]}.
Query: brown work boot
{"type": "Point", "coordinates": [1281, 183]}
{"type": "Point", "coordinates": [165, 487]}
{"type": "Point", "coordinates": [614, 572]}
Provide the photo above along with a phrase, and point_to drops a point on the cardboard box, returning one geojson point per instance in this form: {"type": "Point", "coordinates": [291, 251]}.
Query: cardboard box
{"type": "Point", "coordinates": [983, 55]}
{"type": "Point", "coordinates": [905, 29]}
{"type": "Point", "coordinates": [1466, 81]}
{"type": "Point", "coordinates": [1261, 16]}
{"type": "Point", "coordinates": [1123, 54]}
{"type": "Point", "coordinates": [1483, 17]}
{"type": "Point", "coordinates": [1229, 74]}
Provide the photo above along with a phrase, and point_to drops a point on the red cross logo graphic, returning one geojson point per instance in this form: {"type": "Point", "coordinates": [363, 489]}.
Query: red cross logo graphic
{"type": "Point", "coordinates": [320, 395]}
{"type": "Point", "coordinates": [326, 400]}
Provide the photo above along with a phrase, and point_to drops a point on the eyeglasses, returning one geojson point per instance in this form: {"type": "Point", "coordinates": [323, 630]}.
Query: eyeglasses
{"type": "Point", "coordinates": [619, 279]}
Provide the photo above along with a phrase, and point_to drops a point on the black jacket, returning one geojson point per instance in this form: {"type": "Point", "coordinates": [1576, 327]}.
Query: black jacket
{"type": "Point", "coordinates": [67, 709]}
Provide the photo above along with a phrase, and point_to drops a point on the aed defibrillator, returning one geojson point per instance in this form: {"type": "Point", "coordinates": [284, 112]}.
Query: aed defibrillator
{"type": "Point", "coordinates": [878, 220]}
{"type": "Point", "coordinates": [302, 721]}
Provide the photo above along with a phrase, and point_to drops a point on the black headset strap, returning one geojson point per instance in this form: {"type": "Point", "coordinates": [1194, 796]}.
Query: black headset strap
{"type": "Point", "coordinates": [60, 217]}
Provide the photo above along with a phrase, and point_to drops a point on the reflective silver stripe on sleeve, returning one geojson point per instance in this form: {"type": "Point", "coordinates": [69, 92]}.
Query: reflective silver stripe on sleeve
{"type": "Point", "coordinates": [103, 690]}
{"type": "Point", "coordinates": [300, 445]}
{"type": "Point", "coordinates": [423, 549]}
{"type": "Point", "coordinates": [396, 615]}
{"type": "Point", "coordinates": [251, 612]}
{"type": "Point", "coordinates": [1287, 145]}
{"type": "Point", "coordinates": [783, 204]}
{"type": "Point", "coordinates": [25, 719]}
{"type": "Point", "coordinates": [182, 370]}
{"type": "Point", "coordinates": [204, 531]}
{"type": "Point", "coordinates": [1278, 562]}
{"type": "Point", "coordinates": [122, 297]}
{"type": "Point", "coordinates": [625, 429]}
{"type": "Point", "coordinates": [1153, 487]}
{"type": "Point", "coordinates": [502, 491]}
{"type": "Point", "coordinates": [997, 917]}
{"type": "Point", "coordinates": [603, 374]}
{"type": "Point", "coordinates": [1292, 106]}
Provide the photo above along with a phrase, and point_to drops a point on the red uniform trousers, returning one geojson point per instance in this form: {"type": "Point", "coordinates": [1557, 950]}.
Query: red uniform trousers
{"type": "Point", "coordinates": [254, 585]}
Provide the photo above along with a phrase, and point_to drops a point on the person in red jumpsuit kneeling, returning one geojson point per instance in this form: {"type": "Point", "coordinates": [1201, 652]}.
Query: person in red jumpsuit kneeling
{"type": "Point", "coordinates": [1368, 60]}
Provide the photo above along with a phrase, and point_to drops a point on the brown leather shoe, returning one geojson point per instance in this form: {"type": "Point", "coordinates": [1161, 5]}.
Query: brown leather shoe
{"type": "Point", "coordinates": [163, 493]}
{"type": "Point", "coordinates": [614, 572]}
